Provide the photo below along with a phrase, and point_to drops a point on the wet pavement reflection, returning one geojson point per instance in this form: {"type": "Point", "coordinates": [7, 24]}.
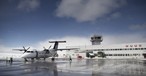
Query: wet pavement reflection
{"type": "Point", "coordinates": [85, 67]}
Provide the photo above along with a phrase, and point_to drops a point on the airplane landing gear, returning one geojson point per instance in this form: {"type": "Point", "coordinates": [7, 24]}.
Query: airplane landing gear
{"type": "Point", "coordinates": [37, 58]}
{"type": "Point", "coordinates": [32, 59]}
{"type": "Point", "coordinates": [53, 59]}
{"type": "Point", "coordinates": [25, 60]}
{"type": "Point", "coordinates": [44, 59]}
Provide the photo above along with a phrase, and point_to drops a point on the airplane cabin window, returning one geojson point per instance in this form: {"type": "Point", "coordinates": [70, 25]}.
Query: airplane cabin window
{"type": "Point", "coordinates": [28, 51]}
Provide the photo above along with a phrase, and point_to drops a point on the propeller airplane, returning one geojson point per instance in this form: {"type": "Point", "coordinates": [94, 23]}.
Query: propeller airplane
{"type": "Point", "coordinates": [35, 54]}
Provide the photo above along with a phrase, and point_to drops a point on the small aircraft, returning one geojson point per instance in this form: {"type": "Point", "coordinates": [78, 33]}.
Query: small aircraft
{"type": "Point", "coordinates": [41, 54]}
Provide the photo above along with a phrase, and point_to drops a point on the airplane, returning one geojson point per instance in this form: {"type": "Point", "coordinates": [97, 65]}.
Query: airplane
{"type": "Point", "coordinates": [41, 54]}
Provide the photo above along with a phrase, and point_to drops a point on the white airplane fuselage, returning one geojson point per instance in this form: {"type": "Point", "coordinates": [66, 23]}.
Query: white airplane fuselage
{"type": "Point", "coordinates": [38, 54]}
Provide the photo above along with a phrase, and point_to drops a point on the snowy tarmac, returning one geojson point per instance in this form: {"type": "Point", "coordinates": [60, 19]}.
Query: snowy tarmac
{"type": "Point", "coordinates": [84, 67]}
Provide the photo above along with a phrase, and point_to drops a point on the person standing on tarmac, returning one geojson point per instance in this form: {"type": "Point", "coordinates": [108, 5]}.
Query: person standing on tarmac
{"type": "Point", "coordinates": [70, 59]}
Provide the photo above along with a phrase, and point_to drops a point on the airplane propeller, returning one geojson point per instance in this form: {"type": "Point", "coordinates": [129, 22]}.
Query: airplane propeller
{"type": "Point", "coordinates": [24, 49]}
{"type": "Point", "coordinates": [47, 50]}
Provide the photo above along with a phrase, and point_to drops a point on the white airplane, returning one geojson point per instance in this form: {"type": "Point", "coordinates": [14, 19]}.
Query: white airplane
{"type": "Point", "coordinates": [41, 54]}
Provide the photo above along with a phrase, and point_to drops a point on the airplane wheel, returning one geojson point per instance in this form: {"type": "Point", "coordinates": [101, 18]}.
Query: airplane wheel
{"type": "Point", "coordinates": [53, 59]}
{"type": "Point", "coordinates": [32, 59]}
{"type": "Point", "coordinates": [25, 60]}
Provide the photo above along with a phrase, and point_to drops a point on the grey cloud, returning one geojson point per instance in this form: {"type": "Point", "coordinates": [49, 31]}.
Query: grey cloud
{"type": "Point", "coordinates": [138, 27]}
{"type": "Point", "coordinates": [28, 5]}
{"type": "Point", "coordinates": [115, 15]}
{"type": "Point", "coordinates": [87, 10]}
{"type": "Point", "coordinates": [124, 38]}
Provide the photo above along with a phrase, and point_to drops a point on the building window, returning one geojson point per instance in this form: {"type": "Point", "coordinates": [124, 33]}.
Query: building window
{"type": "Point", "coordinates": [115, 54]}
{"type": "Point", "coordinates": [138, 48]}
{"type": "Point", "coordinates": [126, 54]}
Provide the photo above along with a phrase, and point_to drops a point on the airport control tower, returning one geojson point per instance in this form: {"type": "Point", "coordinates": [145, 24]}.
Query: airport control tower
{"type": "Point", "coordinates": [96, 39]}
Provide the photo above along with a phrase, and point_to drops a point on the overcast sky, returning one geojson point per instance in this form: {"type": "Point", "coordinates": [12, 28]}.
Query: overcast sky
{"type": "Point", "coordinates": [34, 22]}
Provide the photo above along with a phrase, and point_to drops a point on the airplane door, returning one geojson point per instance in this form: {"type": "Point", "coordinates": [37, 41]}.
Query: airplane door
{"type": "Point", "coordinates": [36, 54]}
{"type": "Point", "coordinates": [144, 55]}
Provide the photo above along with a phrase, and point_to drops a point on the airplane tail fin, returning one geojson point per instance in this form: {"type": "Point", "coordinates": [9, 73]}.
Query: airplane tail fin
{"type": "Point", "coordinates": [56, 43]}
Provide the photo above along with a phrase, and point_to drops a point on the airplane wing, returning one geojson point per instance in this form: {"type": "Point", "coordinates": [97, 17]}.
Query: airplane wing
{"type": "Point", "coordinates": [57, 41]}
{"type": "Point", "coordinates": [78, 50]}
{"type": "Point", "coordinates": [24, 49]}
{"type": "Point", "coordinates": [68, 49]}
{"type": "Point", "coordinates": [18, 49]}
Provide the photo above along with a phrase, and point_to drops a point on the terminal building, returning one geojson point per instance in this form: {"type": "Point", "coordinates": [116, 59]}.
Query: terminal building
{"type": "Point", "coordinates": [112, 51]}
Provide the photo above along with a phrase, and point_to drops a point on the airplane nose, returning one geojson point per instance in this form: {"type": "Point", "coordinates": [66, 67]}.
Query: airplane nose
{"type": "Point", "coordinates": [27, 55]}
{"type": "Point", "coordinates": [23, 56]}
